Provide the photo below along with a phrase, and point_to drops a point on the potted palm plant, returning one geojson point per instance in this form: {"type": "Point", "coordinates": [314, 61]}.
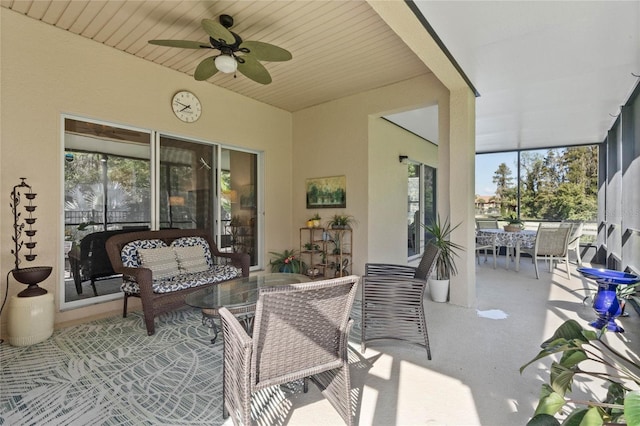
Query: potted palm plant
{"type": "Point", "coordinates": [440, 231]}
{"type": "Point", "coordinates": [514, 223]}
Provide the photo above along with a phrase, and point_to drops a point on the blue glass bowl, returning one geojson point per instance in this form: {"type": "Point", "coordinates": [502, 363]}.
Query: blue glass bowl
{"type": "Point", "coordinates": [609, 276]}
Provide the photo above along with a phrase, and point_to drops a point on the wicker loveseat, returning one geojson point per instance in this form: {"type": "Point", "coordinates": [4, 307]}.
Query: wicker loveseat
{"type": "Point", "coordinates": [163, 283]}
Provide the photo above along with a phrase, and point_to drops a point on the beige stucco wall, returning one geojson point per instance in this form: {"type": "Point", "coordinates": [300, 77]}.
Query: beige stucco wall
{"type": "Point", "coordinates": [46, 72]}
{"type": "Point", "coordinates": [456, 172]}
{"type": "Point", "coordinates": [389, 185]}
{"type": "Point", "coordinates": [341, 138]}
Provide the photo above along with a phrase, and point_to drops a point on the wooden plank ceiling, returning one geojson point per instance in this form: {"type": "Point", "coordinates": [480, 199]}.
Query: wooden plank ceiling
{"type": "Point", "coordinates": [339, 48]}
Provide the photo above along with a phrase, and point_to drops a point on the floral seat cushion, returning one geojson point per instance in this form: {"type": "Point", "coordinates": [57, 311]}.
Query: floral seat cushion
{"type": "Point", "coordinates": [216, 274]}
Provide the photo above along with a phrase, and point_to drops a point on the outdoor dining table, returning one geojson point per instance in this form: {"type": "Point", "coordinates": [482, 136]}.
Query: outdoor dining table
{"type": "Point", "coordinates": [510, 239]}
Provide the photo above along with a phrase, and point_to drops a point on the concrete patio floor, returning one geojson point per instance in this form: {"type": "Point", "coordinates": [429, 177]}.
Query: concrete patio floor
{"type": "Point", "coordinates": [473, 378]}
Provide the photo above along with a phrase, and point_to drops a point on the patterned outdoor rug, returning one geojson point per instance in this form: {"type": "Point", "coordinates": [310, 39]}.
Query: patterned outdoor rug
{"type": "Point", "coordinates": [109, 372]}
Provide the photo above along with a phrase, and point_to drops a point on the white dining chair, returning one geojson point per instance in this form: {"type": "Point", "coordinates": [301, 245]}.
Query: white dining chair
{"type": "Point", "coordinates": [485, 243]}
{"type": "Point", "coordinates": [574, 241]}
{"type": "Point", "coordinates": [552, 244]}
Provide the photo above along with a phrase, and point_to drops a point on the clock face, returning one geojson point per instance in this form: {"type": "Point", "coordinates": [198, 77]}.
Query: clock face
{"type": "Point", "coordinates": [186, 106]}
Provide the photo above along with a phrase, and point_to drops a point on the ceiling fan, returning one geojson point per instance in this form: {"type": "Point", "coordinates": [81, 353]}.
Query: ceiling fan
{"type": "Point", "coordinates": [235, 53]}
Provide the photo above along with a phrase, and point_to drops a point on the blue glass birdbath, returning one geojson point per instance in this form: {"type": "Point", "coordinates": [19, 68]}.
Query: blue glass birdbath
{"type": "Point", "coordinates": [606, 303]}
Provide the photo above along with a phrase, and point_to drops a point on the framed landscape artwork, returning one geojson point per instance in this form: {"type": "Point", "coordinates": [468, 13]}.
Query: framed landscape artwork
{"type": "Point", "coordinates": [327, 192]}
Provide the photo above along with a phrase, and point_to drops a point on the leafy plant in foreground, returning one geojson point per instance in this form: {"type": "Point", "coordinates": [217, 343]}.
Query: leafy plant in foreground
{"type": "Point", "coordinates": [621, 404]}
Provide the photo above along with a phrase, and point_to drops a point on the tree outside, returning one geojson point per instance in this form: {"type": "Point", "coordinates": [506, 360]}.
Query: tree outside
{"type": "Point", "coordinates": [556, 184]}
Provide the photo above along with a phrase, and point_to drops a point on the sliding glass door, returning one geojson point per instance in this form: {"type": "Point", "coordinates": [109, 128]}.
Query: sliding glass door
{"type": "Point", "coordinates": [186, 195]}
{"type": "Point", "coordinates": [119, 179]}
{"type": "Point", "coordinates": [107, 189]}
{"type": "Point", "coordinates": [421, 206]}
{"type": "Point", "coordinates": [239, 206]}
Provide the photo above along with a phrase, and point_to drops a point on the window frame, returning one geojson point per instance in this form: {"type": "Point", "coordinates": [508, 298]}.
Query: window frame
{"type": "Point", "coordinates": [154, 164]}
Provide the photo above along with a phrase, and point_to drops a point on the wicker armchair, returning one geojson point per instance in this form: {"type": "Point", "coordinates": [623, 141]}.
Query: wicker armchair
{"type": "Point", "coordinates": [300, 331]}
{"type": "Point", "coordinates": [552, 242]}
{"type": "Point", "coordinates": [392, 301]}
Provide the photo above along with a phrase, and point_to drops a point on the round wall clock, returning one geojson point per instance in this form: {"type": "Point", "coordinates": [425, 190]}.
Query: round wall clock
{"type": "Point", "coordinates": [186, 106]}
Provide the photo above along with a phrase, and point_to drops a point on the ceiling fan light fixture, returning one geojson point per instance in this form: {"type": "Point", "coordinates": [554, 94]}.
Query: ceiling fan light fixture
{"type": "Point", "coordinates": [226, 64]}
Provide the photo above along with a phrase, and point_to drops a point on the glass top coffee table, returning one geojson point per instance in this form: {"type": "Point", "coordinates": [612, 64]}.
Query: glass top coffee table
{"type": "Point", "coordinates": [239, 296]}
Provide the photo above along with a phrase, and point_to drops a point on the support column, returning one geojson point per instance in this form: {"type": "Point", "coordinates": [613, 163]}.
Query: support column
{"type": "Point", "coordinates": [461, 155]}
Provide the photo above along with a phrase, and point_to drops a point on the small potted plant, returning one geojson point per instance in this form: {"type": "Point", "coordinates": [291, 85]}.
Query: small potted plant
{"type": "Point", "coordinates": [315, 219]}
{"type": "Point", "coordinates": [440, 231]}
{"type": "Point", "coordinates": [311, 247]}
{"type": "Point", "coordinates": [514, 223]}
{"type": "Point", "coordinates": [288, 261]}
{"type": "Point", "coordinates": [341, 221]}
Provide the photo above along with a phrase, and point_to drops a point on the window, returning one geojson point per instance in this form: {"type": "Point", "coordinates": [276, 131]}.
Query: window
{"type": "Point", "coordinates": [421, 205]}
{"type": "Point", "coordinates": [107, 188]}
{"type": "Point", "coordinates": [186, 184]}
{"type": "Point", "coordinates": [111, 185]}
{"type": "Point", "coordinates": [540, 185]}
{"type": "Point", "coordinates": [239, 202]}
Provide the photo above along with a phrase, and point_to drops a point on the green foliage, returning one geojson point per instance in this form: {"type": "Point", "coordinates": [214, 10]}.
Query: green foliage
{"type": "Point", "coordinates": [513, 219]}
{"type": "Point", "coordinates": [287, 261]}
{"type": "Point", "coordinates": [333, 195]}
{"type": "Point", "coordinates": [560, 185]}
{"type": "Point", "coordinates": [441, 237]}
{"type": "Point", "coordinates": [341, 221]}
{"type": "Point", "coordinates": [577, 345]}
{"type": "Point", "coordinates": [84, 175]}
{"type": "Point", "coordinates": [505, 190]}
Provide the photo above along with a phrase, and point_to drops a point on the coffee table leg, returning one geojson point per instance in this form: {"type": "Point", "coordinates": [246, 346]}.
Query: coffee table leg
{"type": "Point", "coordinates": [208, 320]}
{"type": "Point", "coordinates": [209, 317]}
{"type": "Point", "coordinates": [247, 322]}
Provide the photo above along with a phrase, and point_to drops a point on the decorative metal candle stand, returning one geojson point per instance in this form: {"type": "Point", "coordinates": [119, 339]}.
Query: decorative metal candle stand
{"type": "Point", "coordinates": [606, 303]}
{"type": "Point", "coordinates": [34, 275]}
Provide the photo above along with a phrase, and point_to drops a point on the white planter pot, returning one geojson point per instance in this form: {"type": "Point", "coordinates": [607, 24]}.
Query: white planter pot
{"type": "Point", "coordinates": [30, 319]}
{"type": "Point", "coordinates": [439, 290]}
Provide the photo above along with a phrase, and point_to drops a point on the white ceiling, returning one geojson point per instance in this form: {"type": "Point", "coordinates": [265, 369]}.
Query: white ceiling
{"type": "Point", "coordinates": [336, 45]}
{"type": "Point", "coordinates": [422, 122]}
{"type": "Point", "coordinates": [549, 73]}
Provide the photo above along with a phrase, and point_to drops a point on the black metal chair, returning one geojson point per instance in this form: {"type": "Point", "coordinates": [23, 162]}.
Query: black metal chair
{"type": "Point", "coordinates": [90, 262]}
{"type": "Point", "coordinates": [392, 301]}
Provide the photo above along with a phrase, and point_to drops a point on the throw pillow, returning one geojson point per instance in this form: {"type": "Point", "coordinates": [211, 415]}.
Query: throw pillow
{"type": "Point", "coordinates": [162, 262]}
{"type": "Point", "coordinates": [191, 259]}
{"type": "Point", "coordinates": [195, 241]}
{"type": "Point", "coordinates": [129, 253]}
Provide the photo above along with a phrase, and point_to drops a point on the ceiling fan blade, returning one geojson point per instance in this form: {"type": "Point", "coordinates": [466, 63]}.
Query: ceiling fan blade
{"type": "Point", "coordinates": [205, 69]}
{"type": "Point", "coordinates": [217, 31]}
{"type": "Point", "coordinates": [265, 51]}
{"type": "Point", "coordinates": [254, 70]}
{"type": "Point", "coordinates": [185, 44]}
